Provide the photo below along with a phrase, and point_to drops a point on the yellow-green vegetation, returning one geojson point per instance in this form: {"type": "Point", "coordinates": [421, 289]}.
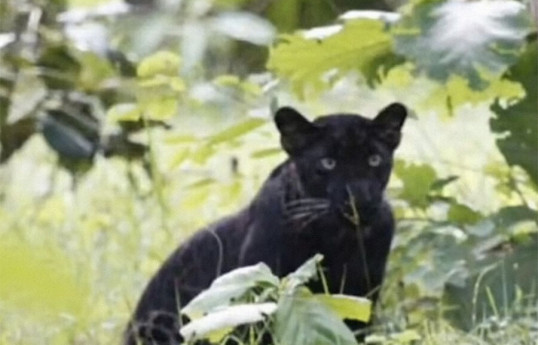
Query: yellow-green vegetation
{"type": "Point", "coordinates": [121, 133]}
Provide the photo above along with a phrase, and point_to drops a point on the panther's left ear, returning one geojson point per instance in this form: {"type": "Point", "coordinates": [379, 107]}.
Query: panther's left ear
{"type": "Point", "coordinates": [296, 132]}
{"type": "Point", "coordinates": [389, 123]}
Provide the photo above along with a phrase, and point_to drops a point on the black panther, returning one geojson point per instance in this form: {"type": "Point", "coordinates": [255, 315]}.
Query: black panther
{"type": "Point", "coordinates": [326, 197]}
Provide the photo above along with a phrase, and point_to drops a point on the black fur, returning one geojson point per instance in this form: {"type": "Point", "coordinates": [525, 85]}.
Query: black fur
{"type": "Point", "coordinates": [338, 167]}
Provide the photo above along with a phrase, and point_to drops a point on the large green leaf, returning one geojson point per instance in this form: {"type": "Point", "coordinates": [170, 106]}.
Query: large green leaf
{"type": "Point", "coordinates": [229, 286]}
{"type": "Point", "coordinates": [302, 320]}
{"type": "Point", "coordinates": [347, 307]}
{"type": "Point", "coordinates": [360, 44]}
{"type": "Point", "coordinates": [518, 122]}
{"type": "Point", "coordinates": [443, 39]}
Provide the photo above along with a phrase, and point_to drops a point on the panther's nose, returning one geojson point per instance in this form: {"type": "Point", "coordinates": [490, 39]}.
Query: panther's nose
{"type": "Point", "coordinates": [360, 193]}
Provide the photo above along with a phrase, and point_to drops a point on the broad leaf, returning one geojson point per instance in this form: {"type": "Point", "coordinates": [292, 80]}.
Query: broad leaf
{"type": "Point", "coordinates": [360, 45]}
{"type": "Point", "coordinates": [442, 38]}
{"type": "Point", "coordinates": [463, 214]}
{"type": "Point", "coordinates": [229, 286]}
{"type": "Point", "coordinates": [347, 307]}
{"type": "Point", "coordinates": [302, 320]}
{"type": "Point", "coordinates": [518, 123]}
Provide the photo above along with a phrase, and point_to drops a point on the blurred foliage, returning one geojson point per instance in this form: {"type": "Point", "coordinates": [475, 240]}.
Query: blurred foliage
{"type": "Point", "coordinates": [159, 110]}
{"type": "Point", "coordinates": [249, 295]}
{"type": "Point", "coordinates": [517, 122]}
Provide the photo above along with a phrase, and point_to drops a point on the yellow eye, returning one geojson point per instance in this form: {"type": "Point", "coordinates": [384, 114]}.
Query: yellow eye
{"type": "Point", "coordinates": [328, 163]}
{"type": "Point", "coordinates": [374, 160]}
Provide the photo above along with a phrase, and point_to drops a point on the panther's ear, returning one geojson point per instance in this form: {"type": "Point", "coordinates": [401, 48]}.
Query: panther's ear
{"type": "Point", "coordinates": [392, 116]}
{"type": "Point", "coordinates": [296, 131]}
{"type": "Point", "coordinates": [389, 123]}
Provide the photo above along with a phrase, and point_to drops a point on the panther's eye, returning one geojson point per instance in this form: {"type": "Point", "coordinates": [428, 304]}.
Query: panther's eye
{"type": "Point", "coordinates": [328, 163]}
{"type": "Point", "coordinates": [374, 160]}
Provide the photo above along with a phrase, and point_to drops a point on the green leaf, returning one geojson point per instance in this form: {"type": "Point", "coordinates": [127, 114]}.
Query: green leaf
{"type": "Point", "coordinates": [95, 70]}
{"type": "Point", "coordinates": [160, 108]}
{"type": "Point", "coordinates": [510, 215]}
{"type": "Point", "coordinates": [361, 45]}
{"type": "Point", "coordinates": [347, 307]}
{"type": "Point", "coordinates": [517, 123]}
{"type": "Point", "coordinates": [164, 62]}
{"type": "Point", "coordinates": [236, 131]}
{"type": "Point", "coordinates": [443, 182]}
{"type": "Point", "coordinates": [417, 181]}
{"type": "Point", "coordinates": [302, 320]}
{"type": "Point", "coordinates": [236, 83]}
{"type": "Point", "coordinates": [462, 214]}
{"type": "Point", "coordinates": [215, 325]}
{"type": "Point", "coordinates": [266, 152]}
{"type": "Point", "coordinates": [231, 285]}
{"type": "Point", "coordinates": [124, 112]}
{"type": "Point", "coordinates": [179, 157]}
{"type": "Point", "coordinates": [202, 153]}
{"type": "Point", "coordinates": [442, 39]}
{"type": "Point", "coordinates": [174, 83]}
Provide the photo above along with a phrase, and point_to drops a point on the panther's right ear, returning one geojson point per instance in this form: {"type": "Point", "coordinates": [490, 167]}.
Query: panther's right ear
{"type": "Point", "coordinates": [296, 131]}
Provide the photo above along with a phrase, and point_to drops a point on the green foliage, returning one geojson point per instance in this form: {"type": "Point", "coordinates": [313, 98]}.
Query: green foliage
{"type": "Point", "coordinates": [363, 45]}
{"type": "Point", "coordinates": [37, 280]}
{"type": "Point", "coordinates": [517, 123]}
{"type": "Point", "coordinates": [302, 320]}
{"type": "Point", "coordinates": [498, 289]}
{"type": "Point", "coordinates": [464, 249]}
{"type": "Point", "coordinates": [418, 181]}
{"type": "Point", "coordinates": [251, 294]}
{"type": "Point", "coordinates": [230, 287]}
{"type": "Point", "coordinates": [161, 63]}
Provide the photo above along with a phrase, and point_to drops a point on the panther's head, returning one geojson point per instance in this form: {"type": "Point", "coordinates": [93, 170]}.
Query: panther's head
{"type": "Point", "coordinates": [342, 161]}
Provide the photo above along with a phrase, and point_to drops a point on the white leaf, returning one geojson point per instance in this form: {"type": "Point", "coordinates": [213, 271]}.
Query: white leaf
{"type": "Point", "coordinates": [6, 39]}
{"type": "Point", "coordinates": [385, 16]}
{"type": "Point", "coordinates": [245, 26]}
{"type": "Point", "coordinates": [229, 286]}
{"type": "Point", "coordinates": [464, 36]}
{"type": "Point", "coordinates": [216, 324]}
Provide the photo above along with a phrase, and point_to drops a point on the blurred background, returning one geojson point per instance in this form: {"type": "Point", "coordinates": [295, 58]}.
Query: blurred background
{"type": "Point", "coordinates": [127, 125]}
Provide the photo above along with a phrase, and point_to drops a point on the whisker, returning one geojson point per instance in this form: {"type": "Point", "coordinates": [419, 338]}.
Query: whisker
{"type": "Point", "coordinates": [311, 219]}
{"type": "Point", "coordinates": [299, 209]}
{"type": "Point", "coordinates": [298, 216]}
{"type": "Point", "coordinates": [307, 201]}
